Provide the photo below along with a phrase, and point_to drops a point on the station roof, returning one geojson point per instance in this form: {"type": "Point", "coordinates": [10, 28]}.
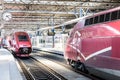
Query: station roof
{"type": "Point", "coordinates": [36, 14]}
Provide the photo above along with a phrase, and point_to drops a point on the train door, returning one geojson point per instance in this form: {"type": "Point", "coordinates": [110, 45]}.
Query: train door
{"type": "Point", "coordinates": [74, 45]}
{"type": "Point", "coordinates": [77, 44]}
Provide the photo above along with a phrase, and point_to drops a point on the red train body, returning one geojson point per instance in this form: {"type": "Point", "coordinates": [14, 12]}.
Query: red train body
{"type": "Point", "coordinates": [21, 44]}
{"type": "Point", "coordinates": [95, 42]}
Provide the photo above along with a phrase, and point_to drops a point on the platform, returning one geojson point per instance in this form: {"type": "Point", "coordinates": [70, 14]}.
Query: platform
{"type": "Point", "coordinates": [8, 66]}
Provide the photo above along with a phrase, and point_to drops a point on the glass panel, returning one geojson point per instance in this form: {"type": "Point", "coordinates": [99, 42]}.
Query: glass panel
{"type": "Point", "coordinates": [114, 15]}
{"type": "Point", "coordinates": [87, 22]}
{"type": "Point", "coordinates": [119, 14]}
{"type": "Point", "coordinates": [101, 18]}
{"type": "Point", "coordinates": [22, 38]}
{"type": "Point", "coordinates": [107, 17]}
{"type": "Point", "coordinates": [91, 21]}
{"type": "Point", "coordinates": [96, 19]}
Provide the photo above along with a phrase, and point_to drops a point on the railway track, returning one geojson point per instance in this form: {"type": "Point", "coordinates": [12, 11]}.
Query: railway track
{"type": "Point", "coordinates": [61, 61]}
{"type": "Point", "coordinates": [34, 70]}
{"type": "Point", "coordinates": [25, 70]}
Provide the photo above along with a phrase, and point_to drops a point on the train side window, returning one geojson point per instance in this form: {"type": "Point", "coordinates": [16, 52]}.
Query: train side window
{"type": "Point", "coordinates": [107, 17]}
{"type": "Point", "coordinates": [87, 22]}
{"type": "Point", "coordinates": [114, 15]}
{"type": "Point", "coordinates": [101, 18]}
{"type": "Point", "coordinates": [96, 19]}
{"type": "Point", "coordinates": [91, 21]}
{"type": "Point", "coordinates": [119, 14]}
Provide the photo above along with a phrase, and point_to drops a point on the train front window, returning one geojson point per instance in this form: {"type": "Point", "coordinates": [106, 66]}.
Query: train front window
{"type": "Point", "coordinates": [22, 38]}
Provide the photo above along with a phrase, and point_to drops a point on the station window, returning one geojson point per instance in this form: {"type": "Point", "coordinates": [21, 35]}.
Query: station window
{"type": "Point", "coordinates": [91, 21]}
{"type": "Point", "coordinates": [96, 19]}
{"type": "Point", "coordinates": [101, 18]}
{"type": "Point", "coordinates": [114, 15]}
{"type": "Point", "coordinates": [107, 17]}
{"type": "Point", "coordinates": [87, 22]}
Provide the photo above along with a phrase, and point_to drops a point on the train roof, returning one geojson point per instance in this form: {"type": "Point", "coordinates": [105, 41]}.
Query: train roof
{"type": "Point", "coordinates": [104, 12]}
{"type": "Point", "coordinates": [81, 18]}
{"type": "Point", "coordinates": [18, 32]}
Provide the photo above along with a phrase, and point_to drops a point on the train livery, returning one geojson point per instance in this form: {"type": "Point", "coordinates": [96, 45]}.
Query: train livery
{"type": "Point", "coordinates": [95, 42]}
{"type": "Point", "coordinates": [21, 44]}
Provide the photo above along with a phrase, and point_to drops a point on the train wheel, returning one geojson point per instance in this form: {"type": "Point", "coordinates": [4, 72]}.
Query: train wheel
{"type": "Point", "coordinates": [76, 64]}
{"type": "Point", "coordinates": [82, 68]}
{"type": "Point", "coordinates": [73, 64]}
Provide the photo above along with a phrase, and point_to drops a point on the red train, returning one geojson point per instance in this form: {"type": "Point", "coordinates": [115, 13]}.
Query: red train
{"type": "Point", "coordinates": [21, 44]}
{"type": "Point", "coordinates": [95, 42]}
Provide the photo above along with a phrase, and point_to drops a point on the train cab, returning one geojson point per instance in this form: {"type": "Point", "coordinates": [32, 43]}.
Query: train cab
{"type": "Point", "coordinates": [21, 44]}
